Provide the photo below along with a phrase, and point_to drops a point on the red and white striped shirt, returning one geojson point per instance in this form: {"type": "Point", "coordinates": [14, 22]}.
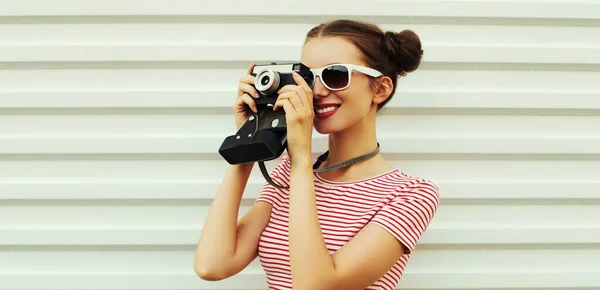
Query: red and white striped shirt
{"type": "Point", "coordinates": [402, 204]}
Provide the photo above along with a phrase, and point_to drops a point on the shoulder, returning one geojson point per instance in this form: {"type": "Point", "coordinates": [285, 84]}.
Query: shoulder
{"type": "Point", "coordinates": [407, 182]}
{"type": "Point", "coordinates": [408, 212]}
{"type": "Point", "coordinates": [423, 186]}
{"type": "Point", "coordinates": [403, 182]}
{"type": "Point", "coordinates": [412, 187]}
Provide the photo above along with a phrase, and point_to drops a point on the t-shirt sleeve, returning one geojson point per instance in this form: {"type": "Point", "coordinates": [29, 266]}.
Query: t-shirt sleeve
{"type": "Point", "coordinates": [409, 213]}
{"type": "Point", "coordinates": [279, 175]}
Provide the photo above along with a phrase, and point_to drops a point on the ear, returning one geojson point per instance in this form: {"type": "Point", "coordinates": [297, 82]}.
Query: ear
{"type": "Point", "coordinates": [383, 89]}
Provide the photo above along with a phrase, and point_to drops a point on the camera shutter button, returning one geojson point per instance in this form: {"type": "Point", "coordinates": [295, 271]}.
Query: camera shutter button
{"type": "Point", "coordinates": [274, 123]}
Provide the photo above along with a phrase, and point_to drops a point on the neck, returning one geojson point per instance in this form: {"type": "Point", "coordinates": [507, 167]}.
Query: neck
{"type": "Point", "coordinates": [352, 142]}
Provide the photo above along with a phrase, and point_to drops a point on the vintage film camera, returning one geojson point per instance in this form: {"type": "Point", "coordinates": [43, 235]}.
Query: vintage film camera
{"type": "Point", "coordinates": [264, 135]}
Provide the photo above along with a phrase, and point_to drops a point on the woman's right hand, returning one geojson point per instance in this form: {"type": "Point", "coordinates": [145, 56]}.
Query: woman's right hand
{"type": "Point", "coordinates": [245, 98]}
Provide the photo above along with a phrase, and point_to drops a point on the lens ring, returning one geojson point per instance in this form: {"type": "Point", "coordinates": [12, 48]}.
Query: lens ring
{"type": "Point", "coordinates": [267, 81]}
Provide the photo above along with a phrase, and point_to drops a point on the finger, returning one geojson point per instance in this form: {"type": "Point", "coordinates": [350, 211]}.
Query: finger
{"type": "Point", "coordinates": [246, 86]}
{"type": "Point", "coordinates": [296, 90]}
{"type": "Point", "coordinates": [290, 111]}
{"type": "Point", "coordinates": [301, 96]}
{"type": "Point", "coordinates": [301, 82]}
{"type": "Point", "coordinates": [248, 89]}
{"type": "Point", "coordinates": [251, 68]}
{"type": "Point", "coordinates": [287, 88]}
{"type": "Point", "coordinates": [308, 94]}
{"type": "Point", "coordinates": [288, 107]}
{"type": "Point", "coordinates": [281, 103]}
{"type": "Point", "coordinates": [247, 79]}
{"type": "Point", "coordinates": [244, 100]}
{"type": "Point", "coordinates": [295, 100]}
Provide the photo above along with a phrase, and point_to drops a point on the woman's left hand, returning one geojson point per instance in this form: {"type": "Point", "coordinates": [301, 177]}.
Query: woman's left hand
{"type": "Point", "coordinates": [297, 101]}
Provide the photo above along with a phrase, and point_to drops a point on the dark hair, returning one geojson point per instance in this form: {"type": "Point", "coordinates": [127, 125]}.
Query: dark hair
{"type": "Point", "coordinates": [392, 53]}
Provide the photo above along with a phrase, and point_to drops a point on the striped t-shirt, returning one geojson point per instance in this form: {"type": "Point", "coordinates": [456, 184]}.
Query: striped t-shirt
{"type": "Point", "coordinates": [402, 204]}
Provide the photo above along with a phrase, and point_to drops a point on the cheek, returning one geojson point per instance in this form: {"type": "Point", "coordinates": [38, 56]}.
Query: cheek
{"type": "Point", "coordinates": [359, 97]}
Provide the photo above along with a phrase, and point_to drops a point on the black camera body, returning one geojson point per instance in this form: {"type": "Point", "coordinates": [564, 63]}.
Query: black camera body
{"type": "Point", "coordinates": [263, 136]}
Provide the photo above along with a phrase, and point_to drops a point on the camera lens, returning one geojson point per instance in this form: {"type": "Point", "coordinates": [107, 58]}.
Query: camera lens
{"type": "Point", "coordinates": [265, 80]}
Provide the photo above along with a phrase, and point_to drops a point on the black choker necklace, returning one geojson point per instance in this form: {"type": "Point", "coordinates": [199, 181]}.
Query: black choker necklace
{"type": "Point", "coordinates": [320, 161]}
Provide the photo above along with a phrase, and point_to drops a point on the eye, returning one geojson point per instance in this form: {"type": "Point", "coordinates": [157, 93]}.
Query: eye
{"type": "Point", "coordinates": [336, 76]}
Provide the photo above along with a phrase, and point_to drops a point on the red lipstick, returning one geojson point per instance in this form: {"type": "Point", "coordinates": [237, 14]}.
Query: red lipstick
{"type": "Point", "coordinates": [323, 111]}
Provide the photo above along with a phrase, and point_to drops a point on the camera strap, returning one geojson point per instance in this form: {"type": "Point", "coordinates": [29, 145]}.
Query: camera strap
{"type": "Point", "coordinates": [320, 161]}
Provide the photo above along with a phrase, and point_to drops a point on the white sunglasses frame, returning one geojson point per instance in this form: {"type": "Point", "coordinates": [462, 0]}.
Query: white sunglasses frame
{"type": "Point", "coordinates": [318, 72]}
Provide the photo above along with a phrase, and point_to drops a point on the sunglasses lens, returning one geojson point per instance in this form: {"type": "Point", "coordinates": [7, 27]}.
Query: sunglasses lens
{"type": "Point", "coordinates": [335, 76]}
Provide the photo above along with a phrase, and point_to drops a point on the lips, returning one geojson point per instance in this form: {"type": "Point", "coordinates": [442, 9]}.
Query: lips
{"type": "Point", "coordinates": [325, 110]}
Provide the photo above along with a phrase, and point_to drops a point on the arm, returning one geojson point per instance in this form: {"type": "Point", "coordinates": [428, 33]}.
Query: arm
{"type": "Point", "coordinates": [363, 260]}
{"type": "Point", "coordinates": [227, 246]}
{"type": "Point", "coordinates": [375, 249]}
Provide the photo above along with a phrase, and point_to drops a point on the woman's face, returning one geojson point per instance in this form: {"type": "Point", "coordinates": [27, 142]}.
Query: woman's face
{"type": "Point", "coordinates": [337, 110]}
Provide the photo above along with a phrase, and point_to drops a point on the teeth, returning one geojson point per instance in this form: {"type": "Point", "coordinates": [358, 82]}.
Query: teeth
{"type": "Point", "coordinates": [325, 110]}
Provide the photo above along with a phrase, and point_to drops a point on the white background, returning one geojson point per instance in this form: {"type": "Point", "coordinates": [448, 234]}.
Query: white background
{"type": "Point", "coordinates": [111, 114]}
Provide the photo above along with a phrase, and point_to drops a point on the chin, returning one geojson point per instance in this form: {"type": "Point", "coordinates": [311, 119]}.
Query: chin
{"type": "Point", "coordinates": [329, 125]}
{"type": "Point", "coordinates": [324, 130]}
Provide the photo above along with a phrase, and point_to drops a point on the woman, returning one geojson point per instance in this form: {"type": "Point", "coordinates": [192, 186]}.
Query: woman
{"type": "Point", "coordinates": [353, 227]}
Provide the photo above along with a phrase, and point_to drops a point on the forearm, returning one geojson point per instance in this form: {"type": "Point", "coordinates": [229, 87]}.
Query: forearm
{"type": "Point", "coordinates": [219, 235]}
{"type": "Point", "coordinates": [312, 265]}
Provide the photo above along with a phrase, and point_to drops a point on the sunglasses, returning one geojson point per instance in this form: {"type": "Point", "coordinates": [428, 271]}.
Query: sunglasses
{"type": "Point", "coordinates": [336, 77]}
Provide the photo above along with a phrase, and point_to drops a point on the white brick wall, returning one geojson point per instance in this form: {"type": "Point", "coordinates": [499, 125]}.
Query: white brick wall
{"type": "Point", "coordinates": [111, 114]}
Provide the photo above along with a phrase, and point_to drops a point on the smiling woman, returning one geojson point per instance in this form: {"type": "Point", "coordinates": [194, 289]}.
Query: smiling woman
{"type": "Point", "coordinates": [352, 227]}
{"type": "Point", "coordinates": [116, 185]}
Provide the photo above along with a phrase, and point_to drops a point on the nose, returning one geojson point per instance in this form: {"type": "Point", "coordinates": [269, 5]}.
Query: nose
{"type": "Point", "coordinates": [319, 91]}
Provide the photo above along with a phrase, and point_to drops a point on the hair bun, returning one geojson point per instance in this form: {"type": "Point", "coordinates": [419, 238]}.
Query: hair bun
{"type": "Point", "coordinates": [404, 50]}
